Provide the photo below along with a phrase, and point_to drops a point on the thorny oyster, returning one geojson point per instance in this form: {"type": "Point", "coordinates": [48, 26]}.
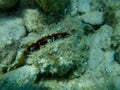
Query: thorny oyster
{"type": "Point", "coordinates": [58, 57]}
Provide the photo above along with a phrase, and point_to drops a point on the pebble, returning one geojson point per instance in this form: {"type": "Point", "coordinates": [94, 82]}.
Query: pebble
{"type": "Point", "coordinates": [93, 18]}
{"type": "Point", "coordinates": [18, 78]}
{"type": "Point", "coordinates": [11, 29]}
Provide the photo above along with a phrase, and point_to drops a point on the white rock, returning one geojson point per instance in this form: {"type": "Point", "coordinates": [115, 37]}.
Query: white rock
{"type": "Point", "coordinates": [33, 20]}
{"type": "Point", "coordinates": [84, 5]}
{"type": "Point", "coordinates": [93, 18]}
{"type": "Point", "coordinates": [19, 77]}
{"type": "Point", "coordinates": [11, 29]}
{"type": "Point", "coordinates": [80, 6]}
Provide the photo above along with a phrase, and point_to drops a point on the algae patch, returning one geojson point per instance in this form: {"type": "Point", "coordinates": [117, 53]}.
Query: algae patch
{"type": "Point", "coordinates": [53, 6]}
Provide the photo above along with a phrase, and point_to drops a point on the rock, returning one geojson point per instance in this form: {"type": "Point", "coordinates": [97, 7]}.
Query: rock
{"type": "Point", "coordinates": [93, 18]}
{"type": "Point", "coordinates": [84, 6]}
{"type": "Point", "coordinates": [12, 29]}
{"type": "Point", "coordinates": [33, 20]}
{"type": "Point", "coordinates": [101, 42]}
{"type": "Point", "coordinates": [18, 78]}
{"type": "Point", "coordinates": [7, 4]}
{"type": "Point", "coordinates": [80, 6]}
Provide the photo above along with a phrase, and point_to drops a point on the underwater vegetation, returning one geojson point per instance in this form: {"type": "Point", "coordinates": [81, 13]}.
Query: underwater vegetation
{"type": "Point", "coordinates": [7, 4]}
{"type": "Point", "coordinates": [48, 6]}
{"type": "Point", "coordinates": [53, 6]}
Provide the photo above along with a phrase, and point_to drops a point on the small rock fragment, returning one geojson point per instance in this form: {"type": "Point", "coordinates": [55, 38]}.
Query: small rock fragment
{"type": "Point", "coordinates": [18, 78]}
{"type": "Point", "coordinates": [93, 18]}
{"type": "Point", "coordinates": [11, 29]}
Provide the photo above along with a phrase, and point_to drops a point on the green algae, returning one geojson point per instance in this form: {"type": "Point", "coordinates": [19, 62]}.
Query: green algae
{"type": "Point", "coordinates": [53, 6]}
{"type": "Point", "coordinates": [7, 4]}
